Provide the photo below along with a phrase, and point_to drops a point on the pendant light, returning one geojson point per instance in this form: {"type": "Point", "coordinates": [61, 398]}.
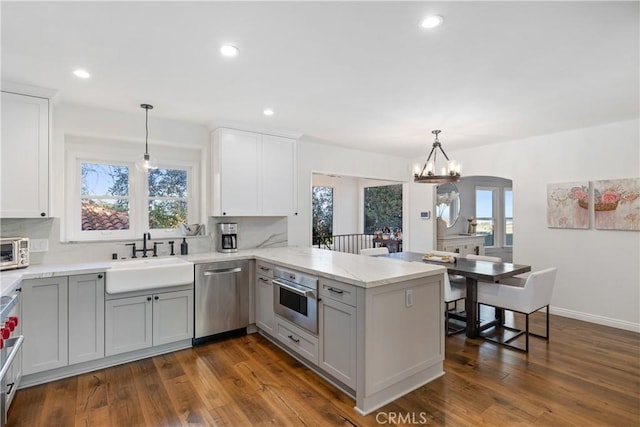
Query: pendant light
{"type": "Point", "coordinates": [146, 163]}
{"type": "Point", "coordinates": [429, 172]}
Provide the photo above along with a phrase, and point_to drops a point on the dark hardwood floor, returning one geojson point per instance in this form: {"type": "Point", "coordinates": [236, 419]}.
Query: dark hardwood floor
{"type": "Point", "coordinates": [587, 375]}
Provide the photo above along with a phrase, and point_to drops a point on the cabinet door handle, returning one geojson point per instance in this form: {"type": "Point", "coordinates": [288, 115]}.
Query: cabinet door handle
{"type": "Point", "coordinates": [337, 291]}
{"type": "Point", "coordinates": [148, 298]}
{"type": "Point", "coordinates": [264, 268]}
{"type": "Point", "coordinates": [263, 280]}
{"type": "Point", "coordinates": [156, 298]}
{"type": "Point", "coordinates": [100, 276]}
{"type": "Point", "coordinates": [295, 340]}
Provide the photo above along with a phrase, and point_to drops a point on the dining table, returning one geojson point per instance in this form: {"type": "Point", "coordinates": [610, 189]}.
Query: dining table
{"type": "Point", "coordinates": [473, 271]}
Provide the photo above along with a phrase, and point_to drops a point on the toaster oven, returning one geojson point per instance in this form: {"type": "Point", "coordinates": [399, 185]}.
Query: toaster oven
{"type": "Point", "coordinates": [14, 253]}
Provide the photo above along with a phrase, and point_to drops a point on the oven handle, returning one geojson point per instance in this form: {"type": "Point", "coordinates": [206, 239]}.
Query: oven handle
{"type": "Point", "coordinates": [296, 289]}
{"type": "Point", "coordinates": [223, 271]}
{"type": "Point", "coordinates": [12, 355]}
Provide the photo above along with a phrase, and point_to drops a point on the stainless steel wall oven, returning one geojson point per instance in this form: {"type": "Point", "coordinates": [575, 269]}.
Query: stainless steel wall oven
{"type": "Point", "coordinates": [295, 298]}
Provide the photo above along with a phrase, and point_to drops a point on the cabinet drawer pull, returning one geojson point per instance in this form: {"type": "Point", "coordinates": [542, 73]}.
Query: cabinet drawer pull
{"type": "Point", "coordinates": [295, 340]}
{"type": "Point", "coordinates": [337, 291]}
{"type": "Point", "coordinates": [264, 268]}
{"type": "Point", "coordinates": [263, 280]}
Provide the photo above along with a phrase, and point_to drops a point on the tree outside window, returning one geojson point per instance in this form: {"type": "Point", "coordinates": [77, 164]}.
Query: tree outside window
{"type": "Point", "coordinates": [382, 208]}
{"type": "Point", "coordinates": [167, 198]}
{"type": "Point", "coordinates": [322, 215]}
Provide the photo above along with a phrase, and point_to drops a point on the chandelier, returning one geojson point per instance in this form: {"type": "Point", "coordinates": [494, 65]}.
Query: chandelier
{"type": "Point", "coordinates": [428, 174]}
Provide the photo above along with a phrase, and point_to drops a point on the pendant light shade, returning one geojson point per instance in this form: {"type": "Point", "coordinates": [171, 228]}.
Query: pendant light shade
{"type": "Point", "coordinates": [146, 164]}
{"type": "Point", "coordinates": [428, 174]}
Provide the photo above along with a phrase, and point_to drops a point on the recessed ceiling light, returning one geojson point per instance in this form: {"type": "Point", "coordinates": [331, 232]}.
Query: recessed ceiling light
{"type": "Point", "coordinates": [431, 21]}
{"type": "Point", "coordinates": [83, 74]}
{"type": "Point", "coordinates": [268, 112]}
{"type": "Point", "coordinates": [229, 50]}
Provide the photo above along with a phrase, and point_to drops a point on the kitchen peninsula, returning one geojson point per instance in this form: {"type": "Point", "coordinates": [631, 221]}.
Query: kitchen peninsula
{"type": "Point", "coordinates": [399, 329]}
{"type": "Point", "coordinates": [380, 325]}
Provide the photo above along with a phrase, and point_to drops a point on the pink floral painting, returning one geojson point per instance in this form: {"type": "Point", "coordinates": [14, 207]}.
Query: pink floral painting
{"type": "Point", "coordinates": [617, 204]}
{"type": "Point", "coordinates": [568, 205]}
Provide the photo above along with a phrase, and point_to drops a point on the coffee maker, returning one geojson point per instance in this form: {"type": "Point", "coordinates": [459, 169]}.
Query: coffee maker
{"type": "Point", "coordinates": [227, 237]}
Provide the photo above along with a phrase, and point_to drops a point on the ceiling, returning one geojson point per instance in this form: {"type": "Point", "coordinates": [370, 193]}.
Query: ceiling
{"type": "Point", "coordinates": [358, 74]}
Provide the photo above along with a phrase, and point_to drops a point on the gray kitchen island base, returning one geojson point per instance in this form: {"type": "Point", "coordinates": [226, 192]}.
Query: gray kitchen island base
{"type": "Point", "coordinates": [399, 341]}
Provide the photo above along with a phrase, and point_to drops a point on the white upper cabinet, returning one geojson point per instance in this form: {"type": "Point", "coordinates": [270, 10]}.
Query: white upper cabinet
{"type": "Point", "coordinates": [252, 174]}
{"type": "Point", "coordinates": [278, 175]}
{"type": "Point", "coordinates": [25, 157]}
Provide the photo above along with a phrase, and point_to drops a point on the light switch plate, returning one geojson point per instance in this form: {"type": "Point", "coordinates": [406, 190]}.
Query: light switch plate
{"type": "Point", "coordinates": [38, 245]}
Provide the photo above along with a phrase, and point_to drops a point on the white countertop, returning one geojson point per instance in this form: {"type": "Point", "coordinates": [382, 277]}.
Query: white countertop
{"type": "Point", "coordinates": [357, 270]}
{"type": "Point", "coordinates": [11, 278]}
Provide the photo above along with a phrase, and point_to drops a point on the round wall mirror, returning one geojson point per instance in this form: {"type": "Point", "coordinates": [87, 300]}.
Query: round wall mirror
{"type": "Point", "coordinates": [448, 203]}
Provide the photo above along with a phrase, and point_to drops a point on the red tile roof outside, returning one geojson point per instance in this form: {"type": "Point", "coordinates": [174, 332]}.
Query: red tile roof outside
{"type": "Point", "coordinates": [98, 217]}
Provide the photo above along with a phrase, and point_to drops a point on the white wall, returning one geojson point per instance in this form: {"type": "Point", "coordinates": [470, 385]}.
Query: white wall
{"type": "Point", "coordinates": [334, 160]}
{"type": "Point", "coordinates": [598, 271]}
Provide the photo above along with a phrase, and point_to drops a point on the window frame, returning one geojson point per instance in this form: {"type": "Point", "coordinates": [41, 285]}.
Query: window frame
{"type": "Point", "coordinates": [138, 191]}
{"type": "Point", "coordinates": [504, 216]}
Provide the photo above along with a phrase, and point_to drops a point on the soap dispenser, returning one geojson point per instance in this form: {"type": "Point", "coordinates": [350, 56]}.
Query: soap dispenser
{"type": "Point", "coordinates": [184, 247]}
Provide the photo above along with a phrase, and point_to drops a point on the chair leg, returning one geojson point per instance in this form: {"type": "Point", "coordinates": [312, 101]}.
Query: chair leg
{"type": "Point", "coordinates": [547, 322]}
{"type": "Point", "coordinates": [526, 333]}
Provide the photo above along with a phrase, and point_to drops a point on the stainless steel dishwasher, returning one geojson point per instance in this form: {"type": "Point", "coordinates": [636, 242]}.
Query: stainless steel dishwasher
{"type": "Point", "coordinates": [221, 299]}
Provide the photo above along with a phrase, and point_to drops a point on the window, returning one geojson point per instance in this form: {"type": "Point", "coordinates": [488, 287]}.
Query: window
{"type": "Point", "coordinates": [322, 215]}
{"type": "Point", "coordinates": [167, 198]}
{"type": "Point", "coordinates": [109, 198]}
{"type": "Point", "coordinates": [382, 208]}
{"type": "Point", "coordinates": [485, 208]}
{"type": "Point", "coordinates": [494, 215]}
{"type": "Point", "coordinates": [104, 200]}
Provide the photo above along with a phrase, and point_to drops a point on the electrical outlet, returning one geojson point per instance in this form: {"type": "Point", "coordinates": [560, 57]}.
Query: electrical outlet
{"type": "Point", "coordinates": [408, 298]}
{"type": "Point", "coordinates": [38, 245]}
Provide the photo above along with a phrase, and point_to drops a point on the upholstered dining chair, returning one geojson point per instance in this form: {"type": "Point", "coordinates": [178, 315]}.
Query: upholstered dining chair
{"type": "Point", "coordinates": [455, 289]}
{"type": "Point", "coordinates": [520, 295]}
{"type": "Point", "coordinates": [484, 258]}
{"type": "Point", "coordinates": [374, 251]}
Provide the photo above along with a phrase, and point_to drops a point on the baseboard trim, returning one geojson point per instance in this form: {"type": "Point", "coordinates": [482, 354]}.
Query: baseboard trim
{"type": "Point", "coordinates": [594, 318]}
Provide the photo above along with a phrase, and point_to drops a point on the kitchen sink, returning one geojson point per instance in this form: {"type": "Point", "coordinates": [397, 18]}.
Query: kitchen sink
{"type": "Point", "coordinates": [148, 273]}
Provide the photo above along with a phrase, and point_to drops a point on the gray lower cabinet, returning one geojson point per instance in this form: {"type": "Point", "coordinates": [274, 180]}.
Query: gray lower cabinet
{"type": "Point", "coordinates": [86, 318]}
{"type": "Point", "coordinates": [337, 353]}
{"type": "Point", "coordinates": [172, 317]}
{"type": "Point", "coordinates": [265, 319]}
{"type": "Point", "coordinates": [62, 321]}
{"type": "Point", "coordinates": [139, 322]}
{"type": "Point", "coordinates": [297, 339]}
{"type": "Point", "coordinates": [44, 321]}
